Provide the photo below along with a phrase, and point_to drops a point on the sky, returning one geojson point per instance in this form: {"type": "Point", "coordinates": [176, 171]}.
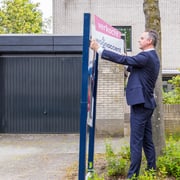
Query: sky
{"type": "Point", "coordinates": [45, 6]}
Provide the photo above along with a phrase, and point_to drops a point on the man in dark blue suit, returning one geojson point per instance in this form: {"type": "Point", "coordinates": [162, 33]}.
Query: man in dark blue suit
{"type": "Point", "coordinates": [144, 70]}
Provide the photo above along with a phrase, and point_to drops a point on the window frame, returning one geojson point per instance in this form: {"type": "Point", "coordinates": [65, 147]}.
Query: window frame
{"type": "Point", "coordinates": [128, 47]}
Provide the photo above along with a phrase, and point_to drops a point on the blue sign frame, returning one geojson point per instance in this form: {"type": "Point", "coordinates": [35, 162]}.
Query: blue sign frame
{"type": "Point", "coordinates": [89, 79]}
{"type": "Point", "coordinates": [84, 90]}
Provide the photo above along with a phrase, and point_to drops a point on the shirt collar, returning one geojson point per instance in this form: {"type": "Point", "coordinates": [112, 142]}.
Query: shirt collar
{"type": "Point", "coordinates": [150, 49]}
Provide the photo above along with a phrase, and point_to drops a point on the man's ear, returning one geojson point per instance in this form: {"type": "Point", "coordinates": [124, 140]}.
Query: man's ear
{"type": "Point", "coordinates": [149, 41]}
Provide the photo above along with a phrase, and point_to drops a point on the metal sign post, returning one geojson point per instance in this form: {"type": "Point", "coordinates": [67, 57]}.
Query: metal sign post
{"type": "Point", "coordinates": [84, 90]}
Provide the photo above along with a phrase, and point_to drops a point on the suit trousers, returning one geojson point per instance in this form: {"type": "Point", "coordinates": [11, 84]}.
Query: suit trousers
{"type": "Point", "coordinates": [141, 138]}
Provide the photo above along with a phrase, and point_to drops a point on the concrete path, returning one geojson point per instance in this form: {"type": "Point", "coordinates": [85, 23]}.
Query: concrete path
{"type": "Point", "coordinates": [43, 157]}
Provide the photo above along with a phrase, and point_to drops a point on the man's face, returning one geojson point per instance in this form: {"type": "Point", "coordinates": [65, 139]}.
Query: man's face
{"type": "Point", "coordinates": [145, 42]}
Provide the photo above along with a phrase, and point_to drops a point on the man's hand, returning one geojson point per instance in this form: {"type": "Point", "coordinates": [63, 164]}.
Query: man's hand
{"type": "Point", "coordinates": [94, 45]}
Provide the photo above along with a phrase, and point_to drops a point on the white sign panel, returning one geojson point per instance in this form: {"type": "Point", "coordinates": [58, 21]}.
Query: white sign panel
{"type": "Point", "coordinates": [107, 36]}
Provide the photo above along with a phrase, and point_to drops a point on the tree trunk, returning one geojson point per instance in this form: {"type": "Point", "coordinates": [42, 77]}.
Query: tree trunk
{"type": "Point", "coordinates": [152, 21]}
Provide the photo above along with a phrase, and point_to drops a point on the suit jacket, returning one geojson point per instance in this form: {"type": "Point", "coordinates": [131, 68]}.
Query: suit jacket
{"type": "Point", "coordinates": [144, 70]}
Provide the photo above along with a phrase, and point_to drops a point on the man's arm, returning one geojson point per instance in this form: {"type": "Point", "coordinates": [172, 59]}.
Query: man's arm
{"type": "Point", "coordinates": [139, 60]}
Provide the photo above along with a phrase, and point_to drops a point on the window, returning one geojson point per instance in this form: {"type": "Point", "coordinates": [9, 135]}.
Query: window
{"type": "Point", "coordinates": [167, 86]}
{"type": "Point", "coordinates": [127, 31]}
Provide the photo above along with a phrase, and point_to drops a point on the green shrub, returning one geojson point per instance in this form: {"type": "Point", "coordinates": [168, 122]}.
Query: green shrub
{"type": "Point", "coordinates": [125, 152]}
{"type": "Point", "coordinates": [116, 166]}
{"type": "Point", "coordinates": [95, 176]}
{"type": "Point", "coordinates": [169, 163]}
{"type": "Point", "coordinates": [116, 163]}
{"type": "Point", "coordinates": [173, 97]}
{"type": "Point", "coordinates": [148, 175]}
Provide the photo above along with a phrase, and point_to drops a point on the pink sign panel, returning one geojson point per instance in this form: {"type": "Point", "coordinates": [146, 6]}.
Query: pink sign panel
{"type": "Point", "coordinates": [105, 28]}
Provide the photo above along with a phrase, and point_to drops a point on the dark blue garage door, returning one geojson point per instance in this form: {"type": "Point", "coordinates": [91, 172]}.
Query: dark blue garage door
{"type": "Point", "coordinates": [40, 94]}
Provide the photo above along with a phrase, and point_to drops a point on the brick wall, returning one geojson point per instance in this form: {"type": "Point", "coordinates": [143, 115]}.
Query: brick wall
{"type": "Point", "coordinates": [171, 119]}
{"type": "Point", "coordinates": [110, 99]}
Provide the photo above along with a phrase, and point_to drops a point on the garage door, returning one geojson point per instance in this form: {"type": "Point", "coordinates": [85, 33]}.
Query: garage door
{"type": "Point", "coordinates": [40, 93]}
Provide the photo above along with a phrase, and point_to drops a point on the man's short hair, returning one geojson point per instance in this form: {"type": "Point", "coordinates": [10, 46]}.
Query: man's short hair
{"type": "Point", "coordinates": [154, 36]}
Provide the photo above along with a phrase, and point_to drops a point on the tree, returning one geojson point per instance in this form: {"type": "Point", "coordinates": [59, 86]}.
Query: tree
{"type": "Point", "coordinates": [20, 16]}
{"type": "Point", "coordinates": [152, 21]}
{"type": "Point", "coordinates": [173, 97]}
